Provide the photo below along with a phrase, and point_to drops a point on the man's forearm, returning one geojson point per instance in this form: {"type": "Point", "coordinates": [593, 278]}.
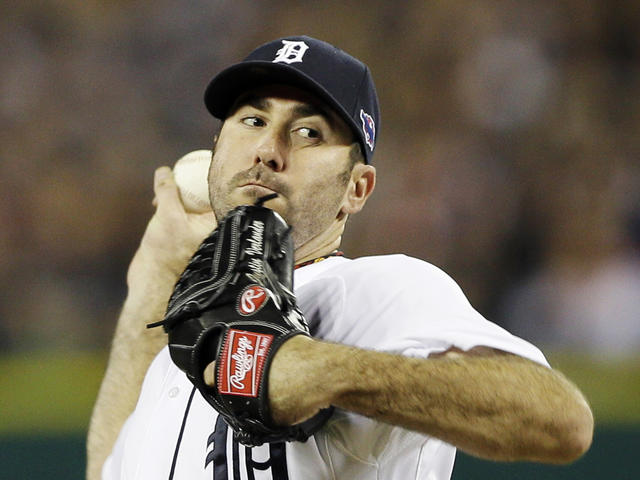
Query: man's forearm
{"type": "Point", "coordinates": [496, 406]}
{"type": "Point", "coordinates": [171, 238]}
{"type": "Point", "coordinates": [134, 347]}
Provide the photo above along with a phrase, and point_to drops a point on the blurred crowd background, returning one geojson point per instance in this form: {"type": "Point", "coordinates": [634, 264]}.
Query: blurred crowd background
{"type": "Point", "coordinates": [508, 150]}
{"type": "Point", "coordinates": [507, 155]}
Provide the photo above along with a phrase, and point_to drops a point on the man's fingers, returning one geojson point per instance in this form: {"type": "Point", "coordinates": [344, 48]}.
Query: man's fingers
{"type": "Point", "coordinates": [206, 222]}
{"type": "Point", "coordinates": [165, 189]}
{"type": "Point", "coordinates": [209, 374]}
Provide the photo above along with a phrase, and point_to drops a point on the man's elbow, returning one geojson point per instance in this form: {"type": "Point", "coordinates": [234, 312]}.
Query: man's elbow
{"type": "Point", "coordinates": [576, 436]}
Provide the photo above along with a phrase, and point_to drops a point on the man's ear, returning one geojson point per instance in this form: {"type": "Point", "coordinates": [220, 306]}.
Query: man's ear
{"type": "Point", "coordinates": [361, 185]}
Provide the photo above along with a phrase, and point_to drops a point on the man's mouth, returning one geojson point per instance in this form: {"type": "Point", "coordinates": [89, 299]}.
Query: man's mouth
{"type": "Point", "coordinates": [259, 187]}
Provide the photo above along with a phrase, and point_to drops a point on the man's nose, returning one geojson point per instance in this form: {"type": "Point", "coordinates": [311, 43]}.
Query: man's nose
{"type": "Point", "coordinates": [271, 151]}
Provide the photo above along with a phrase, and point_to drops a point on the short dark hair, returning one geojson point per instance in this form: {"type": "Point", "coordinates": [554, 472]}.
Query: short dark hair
{"type": "Point", "coordinates": [356, 155]}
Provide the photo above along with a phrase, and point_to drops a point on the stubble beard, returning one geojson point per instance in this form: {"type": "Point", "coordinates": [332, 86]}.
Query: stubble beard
{"type": "Point", "coordinates": [222, 193]}
{"type": "Point", "coordinates": [314, 212]}
{"type": "Point", "coordinates": [309, 213]}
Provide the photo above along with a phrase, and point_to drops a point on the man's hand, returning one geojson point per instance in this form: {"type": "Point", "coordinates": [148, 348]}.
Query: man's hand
{"type": "Point", "coordinates": [172, 235]}
{"type": "Point", "coordinates": [292, 372]}
{"type": "Point", "coordinates": [287, 377]}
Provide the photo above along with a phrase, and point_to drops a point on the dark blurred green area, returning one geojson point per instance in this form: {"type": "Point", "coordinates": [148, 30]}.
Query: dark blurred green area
{"type": "Point", "coordinates": [612, 457]}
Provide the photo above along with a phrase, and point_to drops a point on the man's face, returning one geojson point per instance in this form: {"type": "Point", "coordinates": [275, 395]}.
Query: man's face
{"type": "Point", "coordinates": [281, 139]}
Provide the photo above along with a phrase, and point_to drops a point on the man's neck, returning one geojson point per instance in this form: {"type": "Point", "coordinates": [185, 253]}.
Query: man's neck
{"type": "Point", "coordinates": [321, 245]}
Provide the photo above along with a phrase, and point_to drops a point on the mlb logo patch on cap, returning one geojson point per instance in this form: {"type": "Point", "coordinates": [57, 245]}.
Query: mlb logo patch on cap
{"type": "Point", "coordinates": [368, 129]}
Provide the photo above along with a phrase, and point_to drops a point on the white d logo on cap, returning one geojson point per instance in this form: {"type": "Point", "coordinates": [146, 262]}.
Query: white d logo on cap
{"type": "Point", "coordinates": [291, 52]}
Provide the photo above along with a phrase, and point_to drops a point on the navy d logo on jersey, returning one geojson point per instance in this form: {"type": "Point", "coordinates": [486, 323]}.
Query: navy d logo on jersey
{"type": "Point", "coordinates": [291, 52]}
{"type": "Point", "coordinates": [368, 128]}
{"type": "Point", "coordinates": [251, 300]}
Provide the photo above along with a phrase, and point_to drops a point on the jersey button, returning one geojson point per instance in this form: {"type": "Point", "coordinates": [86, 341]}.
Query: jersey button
{"type": "Point", "coordinates": [173, 393]}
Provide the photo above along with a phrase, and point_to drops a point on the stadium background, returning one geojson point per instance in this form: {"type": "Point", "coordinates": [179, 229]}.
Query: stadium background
{"type": "Point", "coordinates": [508, 156]}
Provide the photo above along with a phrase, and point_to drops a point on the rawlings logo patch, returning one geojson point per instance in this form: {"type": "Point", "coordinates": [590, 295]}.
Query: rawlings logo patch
{"type": "Point", "coordinates": [251, 300]}
{"type": "Point", "coordinates": [368, 128]}
{"type": "Point", "coordinates": [242, 362]}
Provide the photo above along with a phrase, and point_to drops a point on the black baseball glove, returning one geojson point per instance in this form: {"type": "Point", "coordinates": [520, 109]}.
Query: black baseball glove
{"type": "Point", "coordinates": [234, 305]}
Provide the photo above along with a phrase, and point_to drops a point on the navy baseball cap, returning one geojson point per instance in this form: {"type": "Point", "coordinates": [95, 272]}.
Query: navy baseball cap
{"type": "Point", "coordinates": [342, 81]}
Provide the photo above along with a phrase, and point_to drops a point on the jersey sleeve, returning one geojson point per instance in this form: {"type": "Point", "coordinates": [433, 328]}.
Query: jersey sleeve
{"type": "Point", "coordinates": [403, 305]}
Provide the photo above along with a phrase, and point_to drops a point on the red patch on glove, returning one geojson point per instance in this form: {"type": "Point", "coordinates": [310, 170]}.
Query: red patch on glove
{"type": "Point", "coordinates": [251, 300]}
{"type": "Point", "coordinates": [242, 362]}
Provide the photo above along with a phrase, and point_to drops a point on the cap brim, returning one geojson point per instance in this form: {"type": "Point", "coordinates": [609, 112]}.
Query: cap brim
{"type": "Point", "coordinates": [229, 84]}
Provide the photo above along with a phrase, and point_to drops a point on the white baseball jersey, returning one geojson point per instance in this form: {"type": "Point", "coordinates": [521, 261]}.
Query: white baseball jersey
{"type": "Point", "coordinates": [389, 303]}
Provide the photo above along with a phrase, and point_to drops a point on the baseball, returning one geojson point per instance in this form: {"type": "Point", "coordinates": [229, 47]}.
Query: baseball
{"type": "Point", "coordinates": [190, 173]}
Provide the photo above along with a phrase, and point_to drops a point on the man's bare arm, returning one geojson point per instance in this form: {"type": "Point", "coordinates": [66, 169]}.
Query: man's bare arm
{"type": "Point", "coordinates": [488, 403]}
{"type": "Point", "coordinates": [169, 241]}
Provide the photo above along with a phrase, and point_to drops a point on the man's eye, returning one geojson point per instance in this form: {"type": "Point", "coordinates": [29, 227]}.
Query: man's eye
{"type": "Point", "coordinates": [253, 121]}
{"type": "Point", "coordinates": [307, 132]}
